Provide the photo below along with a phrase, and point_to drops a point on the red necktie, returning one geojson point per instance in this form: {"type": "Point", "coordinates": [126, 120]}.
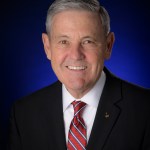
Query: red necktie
{"type": "Point", "coordinates": [77, 132]}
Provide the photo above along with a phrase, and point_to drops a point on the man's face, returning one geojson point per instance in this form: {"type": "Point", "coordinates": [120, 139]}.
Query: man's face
{"type": "Point", "coordinates": [77, 48]}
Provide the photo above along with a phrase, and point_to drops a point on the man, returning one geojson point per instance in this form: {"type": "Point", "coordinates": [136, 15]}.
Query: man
{"type": "Point", "coordinates": [88, 108]}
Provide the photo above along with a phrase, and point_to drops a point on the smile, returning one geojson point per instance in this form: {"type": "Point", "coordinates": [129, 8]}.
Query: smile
{"type": "Point", "coordinates": [77, 67]}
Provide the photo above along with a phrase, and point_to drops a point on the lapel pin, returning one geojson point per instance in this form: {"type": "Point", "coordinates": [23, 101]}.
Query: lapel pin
{"type": "Point", "coordinates": [106, 115]}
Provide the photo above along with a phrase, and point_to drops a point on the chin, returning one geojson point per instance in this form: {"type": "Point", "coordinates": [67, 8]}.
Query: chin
{"type": "Point", "coordinates": [77, 87]}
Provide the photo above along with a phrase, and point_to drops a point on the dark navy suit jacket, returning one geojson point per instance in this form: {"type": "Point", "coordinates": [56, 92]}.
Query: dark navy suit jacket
{"type": "Point", "coordinates": [122, 120]}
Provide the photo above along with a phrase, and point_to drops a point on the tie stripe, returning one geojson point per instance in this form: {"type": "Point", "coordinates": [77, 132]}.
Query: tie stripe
{"type": "Point", "coordinates": [72, 144]}
{"type": "Point", "coordinates": [78, 111]}
{"type": "Point", "coordinates": [76, 103]}
{"type": "Point", "coordinates": [78, 140]}
{"type": "Point", "coordinates": [77, 133]}
{"type": "Point", "coordinates": [82, 124]}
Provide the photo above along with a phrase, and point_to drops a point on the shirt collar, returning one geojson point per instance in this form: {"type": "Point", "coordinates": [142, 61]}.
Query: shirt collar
{"type": "Point", "coordinates": [91, 98]}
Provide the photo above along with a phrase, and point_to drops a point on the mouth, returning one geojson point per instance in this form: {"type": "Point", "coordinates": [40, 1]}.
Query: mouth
{"type": "Point", "coordinates": [77, 68]}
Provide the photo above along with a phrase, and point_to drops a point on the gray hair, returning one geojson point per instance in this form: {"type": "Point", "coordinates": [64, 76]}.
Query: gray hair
{"type": "Point", "coordinates": [87, 5]}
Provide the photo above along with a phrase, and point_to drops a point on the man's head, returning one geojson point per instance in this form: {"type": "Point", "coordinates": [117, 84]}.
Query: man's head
{"type": "Point", "coordinates": [86, 5]}
{"type": "Point", "coordinates": [78, 41]}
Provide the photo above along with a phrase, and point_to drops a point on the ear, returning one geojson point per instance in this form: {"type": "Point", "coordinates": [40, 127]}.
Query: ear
{"type": "Point", "coordinates": [109, 45]}
{"type": "Point", "coordinates": [46, 43]}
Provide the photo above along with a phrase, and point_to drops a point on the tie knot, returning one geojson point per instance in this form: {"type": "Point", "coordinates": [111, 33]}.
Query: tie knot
{"type": "Point", "coordinates": [78, 107]}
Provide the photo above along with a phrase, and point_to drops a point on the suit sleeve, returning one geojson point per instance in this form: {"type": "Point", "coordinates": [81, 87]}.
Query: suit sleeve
{"type": "Point", "coordinates": [146, 143]}
{"type": "Point", "coordinates": [14, 136]}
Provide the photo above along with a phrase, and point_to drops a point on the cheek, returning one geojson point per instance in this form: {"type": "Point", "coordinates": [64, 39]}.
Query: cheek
{"type": "Point", "coordinates": [57, 61]}
{"type": "Point", "coordinates": [95, 58]}
{"type": "Point", "coordinates": [97, 63]}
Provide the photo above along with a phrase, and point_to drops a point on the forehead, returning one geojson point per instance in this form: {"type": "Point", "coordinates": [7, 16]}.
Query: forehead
{"type": "Point", "coordinates": [74, 21]}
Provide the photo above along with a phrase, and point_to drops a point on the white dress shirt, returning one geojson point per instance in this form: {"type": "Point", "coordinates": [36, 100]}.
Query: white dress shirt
{"type": "Point", "coordinates": [91, 99]}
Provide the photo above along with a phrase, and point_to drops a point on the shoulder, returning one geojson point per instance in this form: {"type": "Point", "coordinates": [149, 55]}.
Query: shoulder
{"type": "Point", "coordinates": [133, 91]}
{"type": "Point", "coordinates": [133, 88]}
{"type": "Point", "coordinates": [130, 93]}
{"type": "Point", "coordinates": [39, 98]}
{"type": "Point", "coordinates": [126, 86]}
{"type": "Point", "coordinates": [135, 97]}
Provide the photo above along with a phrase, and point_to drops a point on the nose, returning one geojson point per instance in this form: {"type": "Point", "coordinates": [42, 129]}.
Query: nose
{"type": "Point", "coordinates": [77, 52]}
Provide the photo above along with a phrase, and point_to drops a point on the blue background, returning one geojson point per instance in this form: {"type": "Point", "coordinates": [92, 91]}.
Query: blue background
{"type": "Point", "coordinates": [25, 68]}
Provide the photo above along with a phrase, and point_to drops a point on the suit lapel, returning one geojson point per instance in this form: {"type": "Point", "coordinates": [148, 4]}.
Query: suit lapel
{"type": "Point", "coordinates": [107, 113]}
{"type": "Point", "coordinates": [54, 118]}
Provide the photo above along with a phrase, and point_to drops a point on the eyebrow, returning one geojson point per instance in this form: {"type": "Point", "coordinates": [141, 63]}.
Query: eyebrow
{"type": "Point", "coordinates": [62, 36]}
{"type": "Point", "coordinates": [88, 37]}
{"type": "Point", "coordinates": [67, 37]}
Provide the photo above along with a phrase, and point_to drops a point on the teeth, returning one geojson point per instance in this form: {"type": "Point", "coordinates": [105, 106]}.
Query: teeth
{"type": "Point", "coordinates": [77, 67]}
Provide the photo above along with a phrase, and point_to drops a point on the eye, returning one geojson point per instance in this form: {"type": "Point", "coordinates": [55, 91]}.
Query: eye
{"type": "Point", "coordinates": [88, 42]}
{"type": "Point", "coordinates": [64, 42]}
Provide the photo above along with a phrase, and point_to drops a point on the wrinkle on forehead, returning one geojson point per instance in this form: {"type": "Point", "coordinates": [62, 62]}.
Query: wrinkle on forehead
{"type": "Point", "coordinates": [70, 23]}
